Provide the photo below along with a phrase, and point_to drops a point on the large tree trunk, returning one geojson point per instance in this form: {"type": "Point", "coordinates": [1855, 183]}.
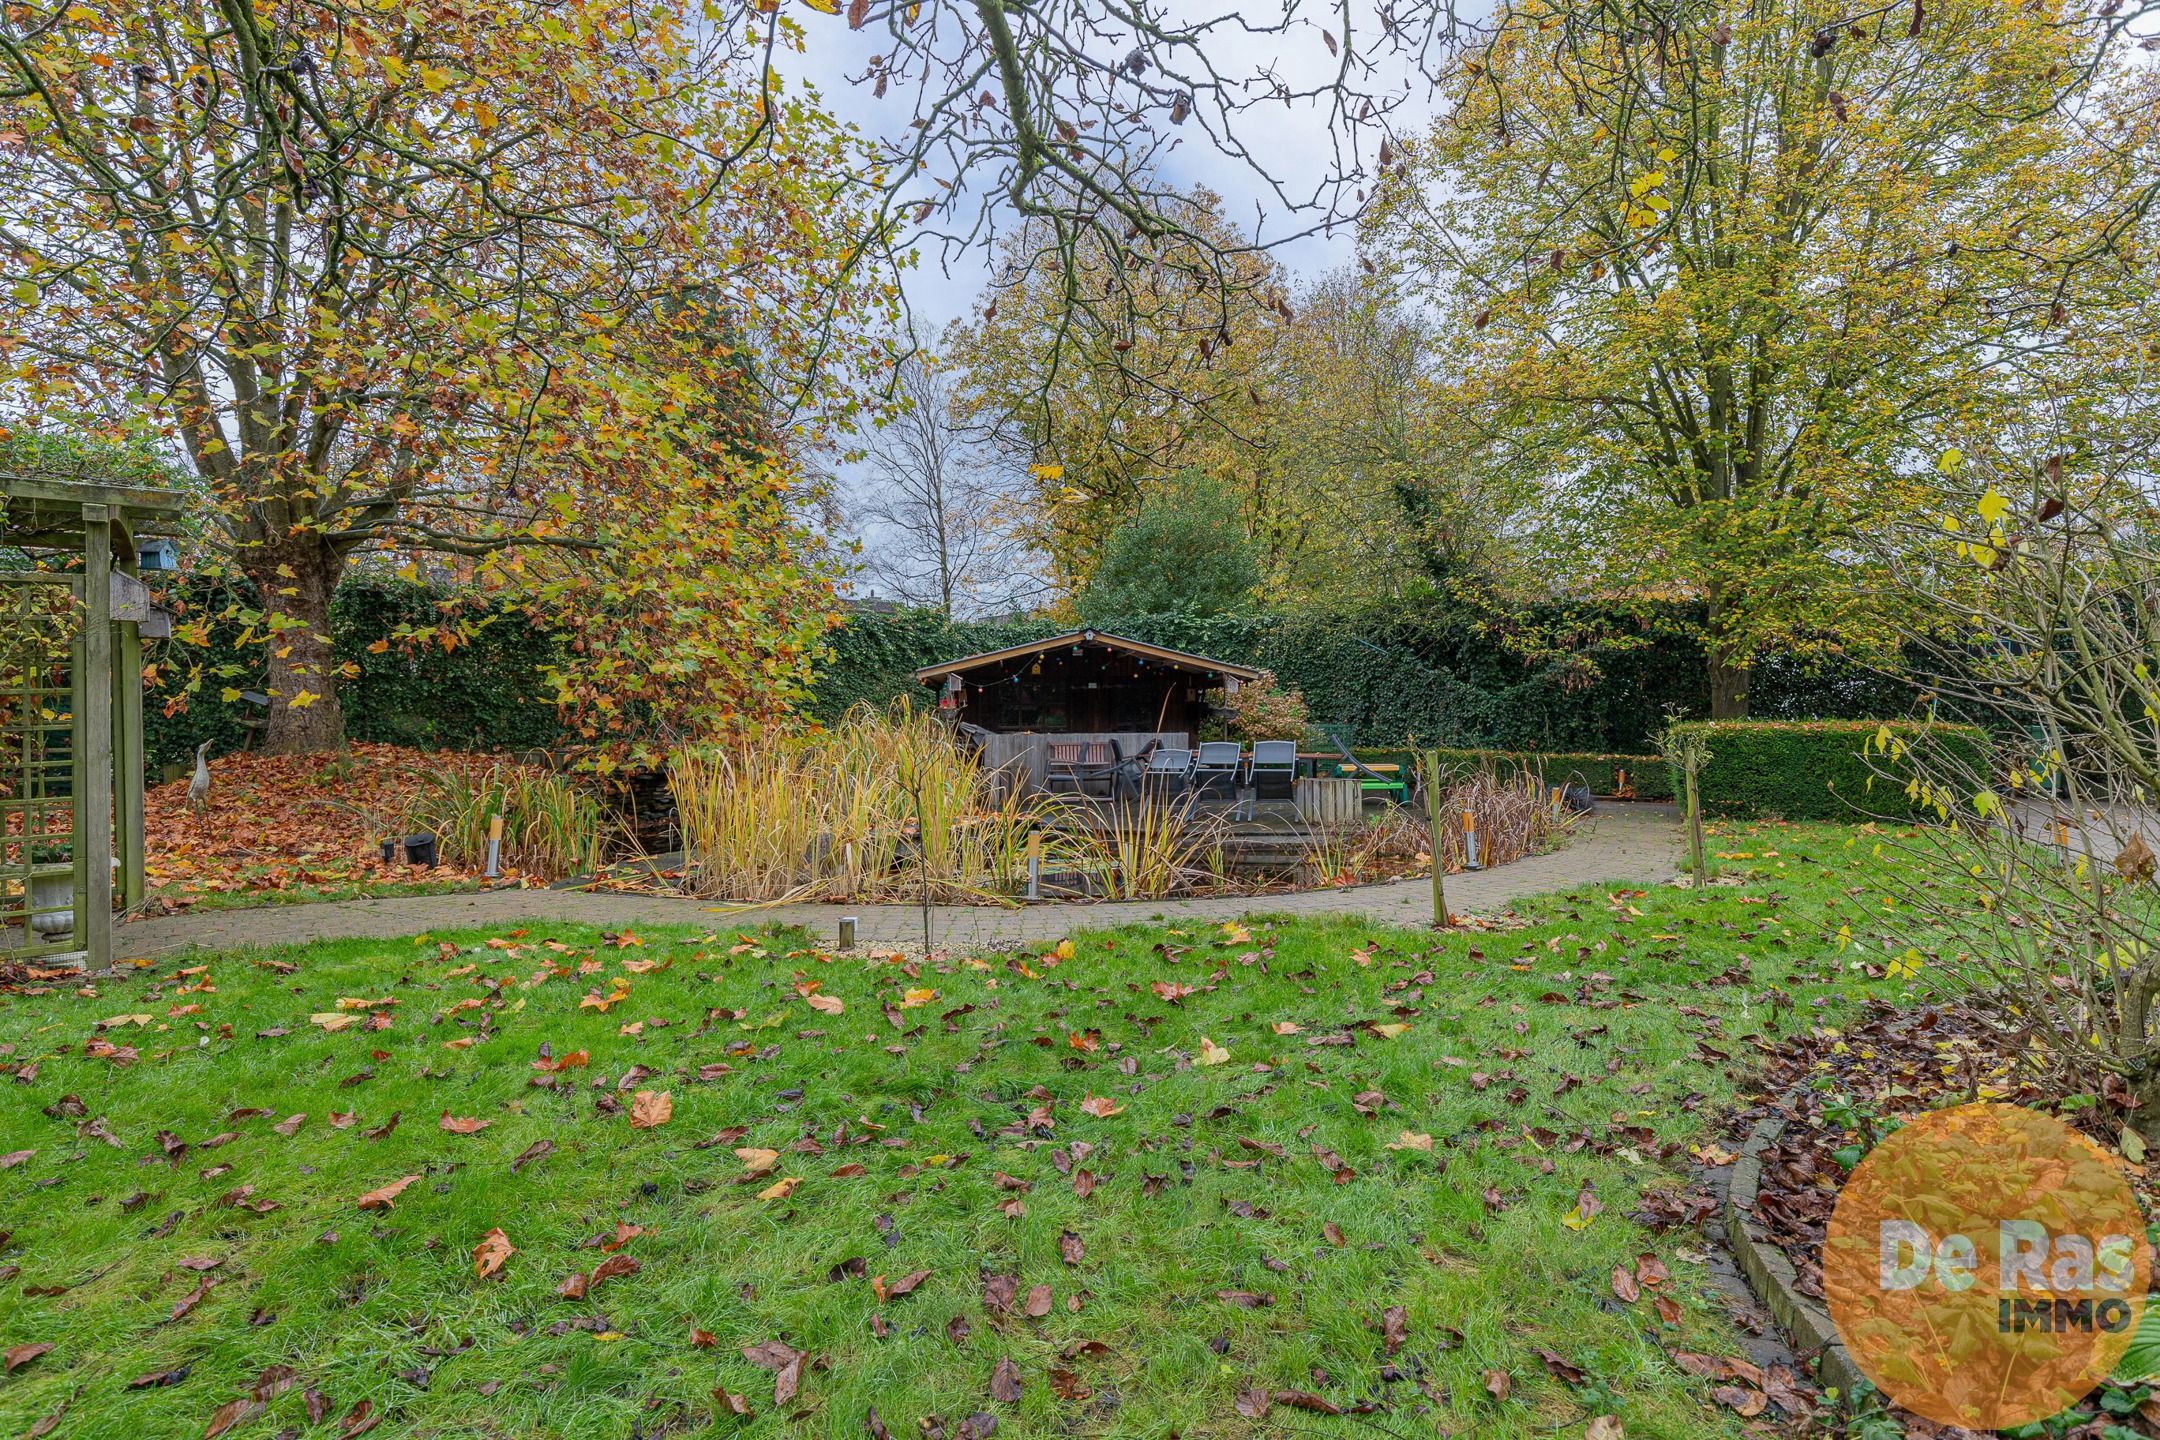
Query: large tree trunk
{"type": "Point", "coordinates": [1728, 679]}
{"type": "Point", "coordinates": [1728, 690]}
{"type": "Point", "coordinates": [295, 582]}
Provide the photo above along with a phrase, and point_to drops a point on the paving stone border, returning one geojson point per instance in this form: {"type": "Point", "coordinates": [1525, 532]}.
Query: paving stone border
{"type": "Point", "coordinates": [1634, 844]}
{"type": "Point", "coordinates": [1771, 1276]}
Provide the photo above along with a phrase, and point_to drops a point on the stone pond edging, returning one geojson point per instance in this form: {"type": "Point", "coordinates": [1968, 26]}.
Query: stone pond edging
{"type": "Point", "coordinates": [1771, 1276]}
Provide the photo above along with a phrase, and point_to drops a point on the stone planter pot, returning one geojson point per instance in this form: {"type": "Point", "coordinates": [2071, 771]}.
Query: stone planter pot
{"type": "Point", "coordinates": [52, 902]}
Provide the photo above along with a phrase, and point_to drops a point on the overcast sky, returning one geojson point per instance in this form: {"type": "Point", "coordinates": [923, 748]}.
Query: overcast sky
{"type": "Point", "coordinates": [1298, 148]}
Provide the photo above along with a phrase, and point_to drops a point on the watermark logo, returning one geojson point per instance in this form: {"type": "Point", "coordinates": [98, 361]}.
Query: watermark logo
{"type": "Point", "coordinates": [1986, 1266]}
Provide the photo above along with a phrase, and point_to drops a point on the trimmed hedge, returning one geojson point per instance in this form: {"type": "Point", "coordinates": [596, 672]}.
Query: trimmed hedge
{"type": "Point", "coordinates": [1647, 777]}
{"type": "Point", "coordinates": [1815, 769]}
{"type": "Point", "coordinates": [484, 695]}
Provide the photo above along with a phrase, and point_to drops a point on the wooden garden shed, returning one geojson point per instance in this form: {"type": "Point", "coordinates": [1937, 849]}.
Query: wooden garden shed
{"type": "Point", "coordinates": [71, 717]}
{"type": "Point", "coordinates": [1084, 683]}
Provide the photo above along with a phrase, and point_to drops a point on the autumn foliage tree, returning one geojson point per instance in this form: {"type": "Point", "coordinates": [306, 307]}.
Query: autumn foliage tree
{"type": "Point", "coordinates": [417, 279]}
{"type": "Point", "coordinates": [1726, 275]}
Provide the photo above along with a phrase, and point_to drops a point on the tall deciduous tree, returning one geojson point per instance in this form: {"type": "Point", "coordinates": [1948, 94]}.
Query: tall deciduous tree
{"type": "Point", "coordinates": [946, 516]}
{"type": "Point", "coordinates": [1725, 276]}
{"type": "Point", "coordinates": [1108, 371]}
{"type": "Point", "coordinates": [404, 279]}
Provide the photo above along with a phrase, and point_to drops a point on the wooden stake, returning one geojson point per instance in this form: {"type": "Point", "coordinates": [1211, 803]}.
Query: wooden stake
{"type": "Point", "coordinates": [1429, 762]}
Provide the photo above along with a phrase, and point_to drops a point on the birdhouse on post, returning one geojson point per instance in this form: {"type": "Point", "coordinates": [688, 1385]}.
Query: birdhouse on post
{"type": "Point", "coordinates": [71, 717]}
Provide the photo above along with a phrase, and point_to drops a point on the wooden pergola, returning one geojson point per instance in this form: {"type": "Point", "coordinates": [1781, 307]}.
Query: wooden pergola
{"type": "Point", "coordinates": [71, 716]}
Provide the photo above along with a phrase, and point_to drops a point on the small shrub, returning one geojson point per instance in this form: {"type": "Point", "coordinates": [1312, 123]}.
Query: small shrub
{"type": "Point", "coordinates": [1816, 769]}
{"type": "Point", "coordinates": [1266, 710]}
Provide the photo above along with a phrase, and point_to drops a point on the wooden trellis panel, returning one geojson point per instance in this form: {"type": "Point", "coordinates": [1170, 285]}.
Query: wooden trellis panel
{"type": "Point", "coordinates": [42, 882]}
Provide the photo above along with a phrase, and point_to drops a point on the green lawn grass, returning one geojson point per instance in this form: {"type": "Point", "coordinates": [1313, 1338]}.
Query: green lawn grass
{"type": "Point", "coordinates": [1540, 1060]}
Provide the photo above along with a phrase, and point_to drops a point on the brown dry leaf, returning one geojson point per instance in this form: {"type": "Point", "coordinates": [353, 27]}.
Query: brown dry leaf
{"type": "Point", "coordinates": [1253, 1403]}
{"type": "Point", "coordinates": [1745, 1402]}
{"type": "Point", "coordinates": [1624, 1286]}
{"type": "Point", "coordinates": [188, 1301]}
{"type": "Point", "coordinates": [613, 1266]}
{"type": "Point", "coordinates": [1306, 1400]}
{"type": "Point", "coordinates": [1005, 1382]}
{"type": "Point", "coordinates": [1071, 1247]}
{"type": "Point", "coordinates": [381, 1199]}
{"type": "Point", "coordinates": [1102, 1107]}
{"type": "Point", "coordinates": [1394, 1328]}
{"type": "Point", "coordinates": [649, 1108]}
{"type": "Point", "coordinates": [1244, 1299]}
{"type": "Point", "coordinates": [1334, 1234]}
{"type": "Point", "coordinates": [1605, 1427]}
{"type": "Point", "coordinates": [702, 1339]}
{"type": "Point", "coordinates": [757, 1161]}
{"type": "Point", "coordinates": [461, 1125]}
{"type": "Point", "coordinates": [1497, 1384]}
{"type": "Point", "coordinates": [898, 1287]}
{"type": "Point", "coordinates": [1037, 1303]}
{"type": "Point", "coordinates": [20, 1355]}
{"type": "Point", "coordinates": [231, 1413]}
{"type": "Point", "coordinates": [490, 1254]}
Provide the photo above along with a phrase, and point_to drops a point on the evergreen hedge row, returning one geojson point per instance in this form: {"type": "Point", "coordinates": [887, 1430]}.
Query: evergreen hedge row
{"type": "Point", "coordinates": [483, 695]}
{"type": "Point", "coordinates": [1429, 670]}
{"type": "Point", "coordinates": [1817, 769]}
{"type": "Point", "coordinates": [1646, 775]}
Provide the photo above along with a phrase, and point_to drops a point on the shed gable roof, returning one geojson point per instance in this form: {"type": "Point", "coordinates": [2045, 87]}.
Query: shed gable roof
{"type": "Point", "coordinates": [1159, 654]}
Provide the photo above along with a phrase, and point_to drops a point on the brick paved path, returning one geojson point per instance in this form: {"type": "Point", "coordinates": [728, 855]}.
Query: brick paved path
{"type": "Point", "coordinates": [1631, 843]}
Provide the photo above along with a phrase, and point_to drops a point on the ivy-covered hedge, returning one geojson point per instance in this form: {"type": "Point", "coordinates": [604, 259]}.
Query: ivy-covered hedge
{"type": "Point", "coordinates": [1646, 775]}
{"type": "Point", "coordinates": [1427, 670]}
{"type": "Point", "coordinates": [483, 695]}
{"type": "Point", "coordinates": [1817, 769]}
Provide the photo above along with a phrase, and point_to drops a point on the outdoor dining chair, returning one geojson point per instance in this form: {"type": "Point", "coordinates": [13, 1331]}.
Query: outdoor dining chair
{"type": "Point", "coordinates": [1166, 772]}
{"type": "Point", "coordinates": [1273, 770]}
{"type": "Point", "coordinates": [1073, 763]}
{"type": "Point", "coordinates": [1216, 768]}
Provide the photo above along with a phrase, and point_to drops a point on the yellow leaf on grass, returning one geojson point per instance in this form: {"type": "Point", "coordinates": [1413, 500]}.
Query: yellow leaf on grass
{"type": "Point", "coordinates": [758, 1161]}
{"type": "Point", "coordinates": [1411, 1140]}
{"type": "Point", "coordinates": [915, 997]}
{"type": "Point", "coordinates": [781, 1189]}
{"type": "Point", "coordinates": [1393, 1030]}
{"type": "Point", "coordinates": [649, 1108]}
{"type": "Point", "coordinates": [1210, 1053]}
{"type": "Point", "coordinates": [332, 1020]}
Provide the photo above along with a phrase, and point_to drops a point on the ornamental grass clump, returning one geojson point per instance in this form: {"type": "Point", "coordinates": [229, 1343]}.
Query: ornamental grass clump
{"type": "Point", "coordinates": [877, 807]}
{"type": "Point", "coordinates": [552, 826]}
